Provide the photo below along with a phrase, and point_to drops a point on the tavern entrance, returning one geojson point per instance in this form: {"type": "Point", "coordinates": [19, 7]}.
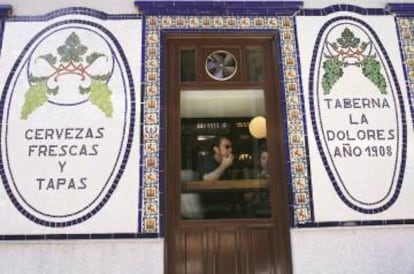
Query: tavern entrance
{"type": "Point", "coordinates": [227, 209]}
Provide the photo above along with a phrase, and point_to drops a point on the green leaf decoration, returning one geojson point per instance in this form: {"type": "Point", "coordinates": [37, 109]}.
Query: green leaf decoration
{"type": "Point", "coordinates": [333, 71]}
{"type": "Point", "coordinates": [34, 98]}
{"type": "Point", "coordinates": [355, 42]}
{"type": "Point", "coordinates": [363, 45]}
{"type": "Point", "coordinates": [53, 91]}
{"type": "Point", "coordinates": [93, 56]}
{"type": "Point", "coordinates": [334, 45]}
{"type": "Point", "coordinates": [347, 39]}
{"type": "Point", "coordinates": [33, 79]}
{"type": "Point", "coordinates": [101, 78]}
{"type": "Point", "coordinates": [83, 90]}
{"type": "Point", "coordinates": [100, 96]}
{"type": "Point", "coordinates": [49, 58]}
{"type": "Point", "coordinates": [371, 68]}
{"type": "Point", "coordinates": [72, 50]}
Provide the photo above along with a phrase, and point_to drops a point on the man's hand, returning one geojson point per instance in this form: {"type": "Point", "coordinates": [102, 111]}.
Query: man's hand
{"type": "Point", "coordinates": [227, 160]}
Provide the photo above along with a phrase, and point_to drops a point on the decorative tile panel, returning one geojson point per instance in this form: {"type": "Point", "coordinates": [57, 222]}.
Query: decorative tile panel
{"type": "Point", "coordinates": [316, 198]}
{"type": "Point", "coordinates": [352, 58]}
{"type": "Point", "coordinates": [70, 134]}
{"type": "Point", "coordinates": [154, 26]}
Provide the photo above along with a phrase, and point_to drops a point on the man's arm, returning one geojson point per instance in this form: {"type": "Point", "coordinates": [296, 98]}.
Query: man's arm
{"type": "Point", "coordinates": [216, 173]}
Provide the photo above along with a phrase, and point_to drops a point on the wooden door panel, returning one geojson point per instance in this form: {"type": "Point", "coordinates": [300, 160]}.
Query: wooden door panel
{"type": "Point", "coordinates": [232, 249]}
{"type": "Point", "coordinates": [194, 251]}
{"type": "Point", "coordinates": [227, 251]}
{"type": "Point", "coordinates": [260, 250]}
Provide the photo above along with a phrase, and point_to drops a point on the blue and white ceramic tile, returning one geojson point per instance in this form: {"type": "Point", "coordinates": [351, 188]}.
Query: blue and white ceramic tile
{"type": "Point", "coordinates": [405, 29]}
{"type": "Point", "coordinates": [356, 112]}
{"type": "Point", "coordinates": [154, 25]}
{"type": "Point", "coordinates": [70, 124]}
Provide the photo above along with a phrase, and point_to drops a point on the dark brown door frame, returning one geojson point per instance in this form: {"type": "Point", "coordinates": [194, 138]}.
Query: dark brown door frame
{"type": "Point", "coordinates": [280, 208]}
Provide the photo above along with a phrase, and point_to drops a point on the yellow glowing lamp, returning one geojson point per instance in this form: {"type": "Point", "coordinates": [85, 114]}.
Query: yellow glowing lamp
{"type": "Point", "coordinates": [257, 127]}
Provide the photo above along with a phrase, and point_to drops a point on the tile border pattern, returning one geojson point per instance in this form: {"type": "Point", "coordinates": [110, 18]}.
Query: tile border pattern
{"type": "Point", "coordinates": [405, 30]}
{"type": "Point", "coordinates": [152, 191]}
{"type": "Point", "coordinates": [343, 7]}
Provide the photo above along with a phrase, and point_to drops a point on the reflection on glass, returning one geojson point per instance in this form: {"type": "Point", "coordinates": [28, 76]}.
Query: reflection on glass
{"type": "Point", "coordinates": [255, 63]}
{"type": "Point", "coordinates": [188, 65]}
{"type": "Point", "coordinates": [224, 168]}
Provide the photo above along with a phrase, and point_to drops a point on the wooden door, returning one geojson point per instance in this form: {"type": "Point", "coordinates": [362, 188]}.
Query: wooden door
{"type": "Point", "coordinates": [228, 237]}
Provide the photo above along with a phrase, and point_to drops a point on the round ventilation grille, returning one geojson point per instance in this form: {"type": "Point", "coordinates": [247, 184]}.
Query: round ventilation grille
{"type": "Point", "coordinates": [221, 65]}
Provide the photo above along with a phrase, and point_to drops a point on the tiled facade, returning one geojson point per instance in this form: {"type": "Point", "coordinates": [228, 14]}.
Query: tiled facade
{"type": "Point", "coordinates": [296, 131]}
{"type": "Point", "coordinates": [222, 17]}
{"type": "Point", "coordinates": [284, 26]}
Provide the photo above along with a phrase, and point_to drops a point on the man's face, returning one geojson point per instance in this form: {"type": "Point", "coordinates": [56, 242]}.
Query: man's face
{"type": "Point", "coordinates": [224, 148]}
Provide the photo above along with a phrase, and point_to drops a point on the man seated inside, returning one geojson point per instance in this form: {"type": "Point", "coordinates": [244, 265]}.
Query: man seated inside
{"type": "Point", "coordinates": [216, 166]}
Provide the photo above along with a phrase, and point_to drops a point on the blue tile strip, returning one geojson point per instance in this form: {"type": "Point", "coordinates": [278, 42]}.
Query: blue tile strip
{"type": "Point", "coordinates": [75, 10]}
{"type": "Point", "coordinates": [222, 8]}
{"type": "Point", "coordinates": [343, 7]}
{"type": "Point", "coordinates": [356, 223]}
{"type": "Point", "coordinates": [36, 237]}
{"type": "Point", "coordinates": [1, 34]}
{"type": "Point", "coordinates": [5, 11]}
{"type": "Point", "coordinates": [401, 9]}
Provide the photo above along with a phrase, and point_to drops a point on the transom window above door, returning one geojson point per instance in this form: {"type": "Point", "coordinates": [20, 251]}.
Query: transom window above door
{"type": "Point", "coordinates": [221, 63]}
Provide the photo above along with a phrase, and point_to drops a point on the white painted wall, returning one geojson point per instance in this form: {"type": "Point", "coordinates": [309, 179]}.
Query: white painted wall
{"type": "Point", "coordinates": [353, 250]}
{"type": "Point", "coordinates": [101, 257]}
{"type": "Point", "coordinates": [356, 250]}
{"type": "Point", "coordinates": [320, 250]}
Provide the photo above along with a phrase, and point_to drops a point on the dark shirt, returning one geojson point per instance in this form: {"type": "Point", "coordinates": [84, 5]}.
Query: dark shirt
{"type": "Point", "coordinates": [216, 204]}
{"type": "Point", "coordinates": [209, 164]}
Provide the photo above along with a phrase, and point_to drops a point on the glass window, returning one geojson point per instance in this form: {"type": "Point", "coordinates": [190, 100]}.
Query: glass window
{"type": "Point", "coordinates": [224, 166]}
{"type": "Point", "coordinates": [188, 65]}
{"type": "Point", "coordinates": [255, 63]}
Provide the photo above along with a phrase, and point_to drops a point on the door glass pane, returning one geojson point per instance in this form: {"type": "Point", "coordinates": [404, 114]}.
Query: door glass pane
{"type": "Point", "coordinates": [223, 166]}
{"type": "Point", "coordinates": [188, 65]}
{"type": "Point", "coordinates": [255, 63]}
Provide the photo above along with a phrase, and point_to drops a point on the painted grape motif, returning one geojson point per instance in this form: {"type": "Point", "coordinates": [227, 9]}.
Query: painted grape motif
{"type": "Point", "coordinates": [348, 50]}
{"type": "Point", "coordinates": [100, 95]}
{"type": "Point", "coordinates": [371, 69]}
{"type": "Point", "coordinates": [333, 71]}
{"type": "Point", "coordinates": [34, 98]}
{"type": "Point", "coordinates": [71, 62]}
